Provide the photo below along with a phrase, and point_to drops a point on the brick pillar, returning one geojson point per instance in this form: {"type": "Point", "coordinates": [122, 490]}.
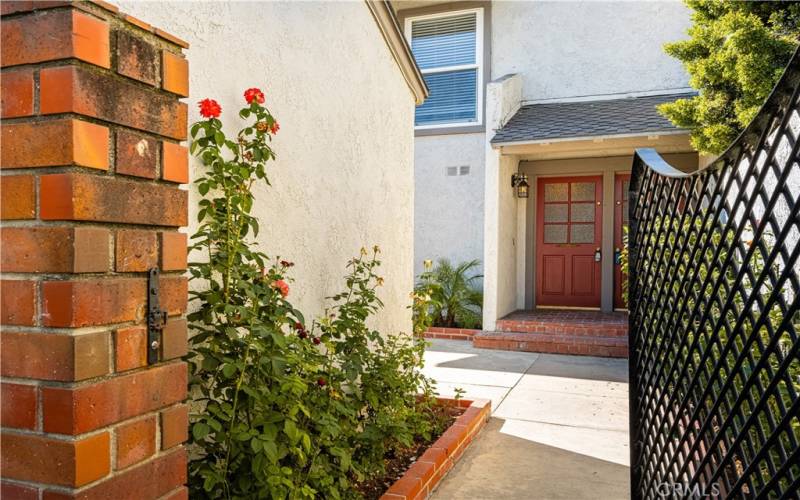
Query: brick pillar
{"type": "Point", "coordinates": [91, 166]}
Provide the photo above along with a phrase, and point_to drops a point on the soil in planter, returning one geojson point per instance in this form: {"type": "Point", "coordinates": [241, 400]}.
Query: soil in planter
{"type": "Point", "coordinates": [397, 464]}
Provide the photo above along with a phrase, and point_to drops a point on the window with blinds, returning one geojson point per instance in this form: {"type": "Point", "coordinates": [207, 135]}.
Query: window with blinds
{"type": "Point", "coordinates": [448, 50]}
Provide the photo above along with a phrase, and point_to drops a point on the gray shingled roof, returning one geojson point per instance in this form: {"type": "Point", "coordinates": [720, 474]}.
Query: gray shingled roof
{"type": "Point", "coordinates": [632, 115]}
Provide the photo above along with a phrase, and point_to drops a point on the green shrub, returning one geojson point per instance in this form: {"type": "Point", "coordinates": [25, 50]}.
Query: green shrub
{"type": "Point", "coordinates": [283, 408]}
{"type": "Point", "coordinates": [455, 293]}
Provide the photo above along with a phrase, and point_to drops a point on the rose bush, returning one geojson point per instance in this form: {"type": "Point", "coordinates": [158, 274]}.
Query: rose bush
{"type": "Point", "coordinates": [282, 407]}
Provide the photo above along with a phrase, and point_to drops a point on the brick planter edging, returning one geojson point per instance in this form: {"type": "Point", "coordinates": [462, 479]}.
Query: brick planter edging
{"type": "Point", "coordinates": [427, 472]}
{"type": "Point", "coordinates": [437, 332]}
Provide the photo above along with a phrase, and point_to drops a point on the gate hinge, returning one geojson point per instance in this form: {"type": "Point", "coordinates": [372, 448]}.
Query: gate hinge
{"type": "Point", "coordinates": [156, 318]}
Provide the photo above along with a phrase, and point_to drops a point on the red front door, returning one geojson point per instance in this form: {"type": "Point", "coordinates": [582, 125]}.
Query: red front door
{"type": "Point", "coordinates": [568, 234]}
{"type": "Point", "coordinates": [621, 183]}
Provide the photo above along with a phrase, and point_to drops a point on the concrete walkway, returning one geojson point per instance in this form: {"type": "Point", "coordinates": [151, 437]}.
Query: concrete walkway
{"type": "Point", "coordinates": [559, 427]}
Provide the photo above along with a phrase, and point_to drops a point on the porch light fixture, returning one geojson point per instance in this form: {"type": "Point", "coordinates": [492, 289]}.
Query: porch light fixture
{"type": "Point", "coordinates": [520, 183]}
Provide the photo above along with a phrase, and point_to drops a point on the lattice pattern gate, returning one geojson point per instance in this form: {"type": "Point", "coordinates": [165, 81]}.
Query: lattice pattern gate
{"type": "Point", "coordinates": [714, 321]}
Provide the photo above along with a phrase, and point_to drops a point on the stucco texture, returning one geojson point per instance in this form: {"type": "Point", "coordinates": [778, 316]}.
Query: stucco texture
{"type": "Point", "coordinates": [571, 49]}
{"type": "Point", "coordinates": [344, 174]}
{"type": "Point", "coordinates": [448, 210]}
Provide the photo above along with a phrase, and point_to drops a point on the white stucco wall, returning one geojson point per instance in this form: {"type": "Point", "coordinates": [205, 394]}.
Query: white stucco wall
{"type": "Point", "coordinates": [344, 174]}
{"type": "Point", "coordinates": [448, 211]}
{"type": "Point", "coordinates": [501, 241]}
{"type": "Point", "coordinates": [581, 48]}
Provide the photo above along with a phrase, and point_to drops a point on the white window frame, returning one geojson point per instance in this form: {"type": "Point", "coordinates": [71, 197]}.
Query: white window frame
{"type": "Point", "coordinates": [478, 64]}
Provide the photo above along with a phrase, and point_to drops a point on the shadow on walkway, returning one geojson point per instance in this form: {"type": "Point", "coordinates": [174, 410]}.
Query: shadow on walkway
{"type": "Point", "coordinates": [559, 427]}
{"type": "Point", "coordinates": [502, 466]}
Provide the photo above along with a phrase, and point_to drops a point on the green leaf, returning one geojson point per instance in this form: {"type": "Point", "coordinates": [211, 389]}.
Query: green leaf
{"type": "Point", "coordinates": [200, 430]}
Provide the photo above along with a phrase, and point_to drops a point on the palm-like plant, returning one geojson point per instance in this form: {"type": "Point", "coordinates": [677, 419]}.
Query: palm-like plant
{"type": "Point", "coordinates": [455, 292]}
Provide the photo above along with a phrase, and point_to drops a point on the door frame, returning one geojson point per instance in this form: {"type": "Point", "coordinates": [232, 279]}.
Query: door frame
{"type": "Point", "coordinates": [538, 239]}
{"type": "Point", "coordinates": [619, 198]}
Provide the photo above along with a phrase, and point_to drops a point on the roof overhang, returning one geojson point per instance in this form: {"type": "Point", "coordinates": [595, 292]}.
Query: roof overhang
{"type": "Point", "coordinates": [390, 29]}
{"type": "Point", "coordinates": [676, 141]}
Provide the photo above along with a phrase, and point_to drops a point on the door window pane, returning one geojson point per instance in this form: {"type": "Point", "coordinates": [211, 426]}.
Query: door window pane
{"type": "Point", "coordinates": [582, 212]}
{"type": "Point", "coordinates": [583, 191]}
{"type": "Point", "coordinates": [555, 191]}
{"type": "Point", "coordinates": [555, 233]}
{"type": "Point", "coordinates": [626, 185]}
{"type": "Point", "coordinates": [581, 233]}
{"type": "Point", "coordinates": [625, 212]}
{"type": "Point", "coordinates": [555, 212]}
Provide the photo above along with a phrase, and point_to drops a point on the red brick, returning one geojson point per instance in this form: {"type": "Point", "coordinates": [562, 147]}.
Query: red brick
{"type": "Point", "coordinates": [436, 456]}
{"type": "Point", "coordinates": [176, 163]}
{"type": "Point", "coordinates": [85, 408]}
{"type": "Point", "coordinates": [451, 439]}
{"type": "Point", "coordinates": [54, 249]}
{"type": "Point", "coordinates": [174, 426]}
{"type": "Point", "coordinates": [18, 302]}
{"type": "Point", "coordinates": [136, 251]}
{"type": "Point", "coordinates": [49, 356]}
{"type": "Point", "coordinates": [10, 491]}
{"type": "Point", "coordinates": [173, 251]}
{"type": "Point", "coordinates": [104, 301]}
{"type": "Point", "coordinates": [55, 35]}
{"type": "Point", "coordinates": [76, 196]}
{"type": "Point", "coordinates": [135, 441]}
{"type": "Point", "coordinates": [175, 73]}
{"type": "Point", "coordinates": [407, 487]}
{"type": "Point", "coordinates": [54, 143]}
{"type": "Point", "coordinates": [40, 459]}
{"type": "Point", "coordinates": [180, 494]}
{"type": "Point", "coordinates": [175, 339]}
{"type": "Point", "coordinates": [131, 348]}
{"type": "Point", "coordinates": [136, 155]}
{"type": "Point", "coordinates": [19, 197]}
{"type": "Point", "coordinates": [16, 94]}
{"type": "Point", "coordinates": [171, 38]}
{"type": "Point", "coordinates": [152, 479]}
{"type": "Point", "coordinates": [19, 405]}
{"type": "Point", "coordinates": [137, 58]}
{"type": "Point", "coordinates": [138, 22]}
{"type": "Point", "coordinates": [74, 89]}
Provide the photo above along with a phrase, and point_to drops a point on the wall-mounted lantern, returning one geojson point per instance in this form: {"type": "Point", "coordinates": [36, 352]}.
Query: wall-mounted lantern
{"type": "Point", "coordinates": [520, 183]}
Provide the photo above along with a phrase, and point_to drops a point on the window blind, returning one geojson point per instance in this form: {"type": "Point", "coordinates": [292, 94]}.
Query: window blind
{"type": "Point", "coordinates": [444, 41]}
{"type": "Point", "coordinates": [442, 46]}
{"type": "Point", "coordinates": [453, 98]}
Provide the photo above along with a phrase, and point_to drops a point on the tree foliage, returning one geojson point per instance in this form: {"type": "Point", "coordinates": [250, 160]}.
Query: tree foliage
{"type": "Point", "coordinates": [734, 56]}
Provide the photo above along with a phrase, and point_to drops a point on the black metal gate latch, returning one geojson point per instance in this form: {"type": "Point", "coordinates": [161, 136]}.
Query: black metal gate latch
{"type": "Point", "coordinates": [156, 318]}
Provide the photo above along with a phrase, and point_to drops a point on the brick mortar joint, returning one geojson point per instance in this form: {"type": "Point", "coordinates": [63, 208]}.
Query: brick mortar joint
{"type": "Point", "coordinates": [108, 477]}
{"type": "Point", "coordinates": [72, 62]}
{"type": "Point", "coordinates": [107, 12]}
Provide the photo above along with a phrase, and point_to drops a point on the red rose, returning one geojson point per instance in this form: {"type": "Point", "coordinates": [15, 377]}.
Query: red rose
{"type": "Point", "coordinates": [209, 108]}
{"type": "Point", "coordinates": [322, 382]}
{"type": "Point", "coordinates": [274, 128]}
{"type": "Point", "coordinates": [298, 326]}
{"type": "Point", "coordinates": [317, 341]}
{"type": "Point", "coordinates": [302, 334]}
{"type": "Point", "coordinates": [282, 287]}
{"type": "Point", "coordinates": [254, 94]}
{"type": "Point", "coordinates": [286, 263]}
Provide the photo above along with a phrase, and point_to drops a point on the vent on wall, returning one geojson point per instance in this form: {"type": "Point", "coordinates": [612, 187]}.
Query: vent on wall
{"type": "Point", "coordinates": [455, 171]}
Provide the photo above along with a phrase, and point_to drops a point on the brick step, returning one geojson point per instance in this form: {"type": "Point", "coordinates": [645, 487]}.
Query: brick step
{"type": "Point", "coordinates": [614, 347]}
{"type": "Point", "coordinates": [588, 329]}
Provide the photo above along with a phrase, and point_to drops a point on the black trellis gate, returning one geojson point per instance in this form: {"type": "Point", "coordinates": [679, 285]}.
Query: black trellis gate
{"type": "Point", "coordinates": [714, 321]}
